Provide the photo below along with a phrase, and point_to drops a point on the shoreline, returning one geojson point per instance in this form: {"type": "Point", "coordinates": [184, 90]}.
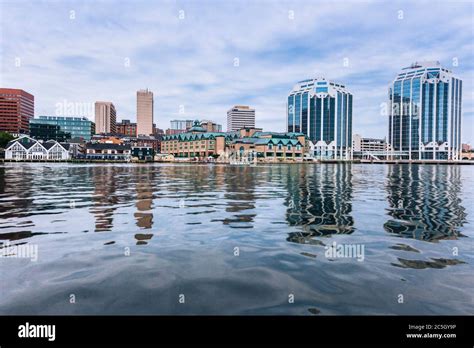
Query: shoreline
{"type": "Point", "coordinates": [422, 162]}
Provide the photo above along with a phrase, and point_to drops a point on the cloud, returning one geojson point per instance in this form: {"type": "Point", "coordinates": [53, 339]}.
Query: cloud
{"type": "Point", "coordinates": [191, 61]}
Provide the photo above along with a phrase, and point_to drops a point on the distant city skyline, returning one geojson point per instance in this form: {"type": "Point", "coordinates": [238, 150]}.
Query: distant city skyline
{"type": "Point", "coordinates": [201, 60]}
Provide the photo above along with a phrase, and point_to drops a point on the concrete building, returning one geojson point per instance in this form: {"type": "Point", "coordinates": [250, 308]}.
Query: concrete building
{"type": "Point", "coordinates": [144, 112]}
{"type": "Point", "coordinates": [240, 116]}
{"type": "Point", "coordinates": [322, 110]}
{"type": "Point", "coordinates": [370, 148]}
{"type": "Point", "coordinates": [105, 118]}
{"type": "Point", "coordinates": [17, 107]}
{"type": "Point", "coordinates": [425, 113]}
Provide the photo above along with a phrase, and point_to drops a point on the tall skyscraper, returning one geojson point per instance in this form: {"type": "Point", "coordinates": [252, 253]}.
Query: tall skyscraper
{"type": "Point", "coordinates": [105, 117]}
{"type": "Point", "coordinates": [17, 107]}
{"type": "Point", "coordinates": [144, 112]}
{"type": "Point", "coordinates": [425, 112]}
{"type": "Point", "coordinates": [240, 116]}
{"type": "Point", "coordinates": [322, 110]}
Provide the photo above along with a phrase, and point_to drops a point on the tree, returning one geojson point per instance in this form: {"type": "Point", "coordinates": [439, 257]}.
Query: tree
{"type": "Point", "coordinates": [5, 138]}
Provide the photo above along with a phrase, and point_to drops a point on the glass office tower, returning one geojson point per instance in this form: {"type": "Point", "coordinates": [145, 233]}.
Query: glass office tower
{"type": "Point", "coordinates": [322, 110]}
{"type": "Point", "coordinates": [425, 113]}
{"type": "Point", "coordinates": [78, 127]}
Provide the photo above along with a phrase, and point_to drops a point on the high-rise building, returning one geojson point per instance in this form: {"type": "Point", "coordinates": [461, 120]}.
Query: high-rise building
{"type": "Point", "coordinates": [105, 117]}
{"type": "Point", "coordinates": [144, 112]}
{"type": "Point", "coordinates": [79, 127]}
{"type": "Point", "coordinates": [240, 116]}
{"type": "Point", "coordinates": [425, 112]}
{"type": "Point", "coordinates": [17, 107]}
{"type": "Point", "coordinates": [322, 110]}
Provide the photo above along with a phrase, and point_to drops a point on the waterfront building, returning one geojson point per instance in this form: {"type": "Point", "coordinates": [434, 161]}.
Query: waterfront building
{"type": "Point", "coordinates": [270, 146]}
{"type": "Point", "coordinates": [322, 110]}
{"type": "Point", "coordinates": [246, 141]}
{"type": "Point", "coordinates": [26, 148]}
{"type": "Point", "coordinates": [78, 127]}
{"type": "Point", "coordinates": [108, 151]}
{"type": "Point", "coordinates": [127, 128]}
{"type": "Point", "coordinates": [143, 153]}
{"type": "Point", "coordinates": [197, 142]}
{"type": "Point", "coordinates": [17, 107]}
{"type": "Point", "coordinates": [105, 117]}
{"type": "Point", "coordinates": [41, 131]}
{"type": "Point", "coordinates": [240, 116]}
{"type": "Point", "coordinates": [371, 148]}
{"type": "Point", "coordinates": [144, 112]}
{"type": "Point", "coordinates": [151, 141]}
{"type": "Point", "coordinates": [425, 112]}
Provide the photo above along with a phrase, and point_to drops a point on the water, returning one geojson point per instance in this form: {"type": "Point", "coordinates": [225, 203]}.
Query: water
{"type": "Point", "coordinates": [141, 239]}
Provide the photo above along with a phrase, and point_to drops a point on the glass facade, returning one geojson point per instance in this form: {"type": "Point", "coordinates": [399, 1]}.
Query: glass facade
{"type": "Point", "coordinates": [322, 110]}
{"type": "Point", "coordinates": [77, 127]}
{"type": "Point", "coordinates": [425, 113]}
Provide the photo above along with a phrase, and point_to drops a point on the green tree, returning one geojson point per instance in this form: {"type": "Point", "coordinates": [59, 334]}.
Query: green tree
{"type": "Point", "coordinates": [5, 138]}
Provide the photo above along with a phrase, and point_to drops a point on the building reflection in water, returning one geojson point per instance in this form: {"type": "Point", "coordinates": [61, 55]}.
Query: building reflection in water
{"type": "Point", "coordinates": [424, 202]}
{"type": "Point", "coordinates": [240, 203]}
{"type": "Point", "coordinates": [144, 188]}
{"type": "Point", "coordinates": [319, 200]}
{"type": "Point", "coordinates": [104, 199]}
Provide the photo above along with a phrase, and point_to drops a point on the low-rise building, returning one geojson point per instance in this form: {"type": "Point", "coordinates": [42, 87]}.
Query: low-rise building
{"type": "Point", "coordinates": [108, 151]}
{"type": "Point", "coordinates": [77, 126]}
{"type": "Point", "coordinates": [44, 131]}
{"type": "Point", "coordinates": [270, 146]}
{"type": "Point", "coordinates": [143, 153]}
{"type": "Point", "coordinates": [197, 142]}
{"type": "Point", "coordinates": [127, 128]}
{"type": "Point", "coordinates": [371, 148]}
{"type": "Point", "coordinates": [26, 148]}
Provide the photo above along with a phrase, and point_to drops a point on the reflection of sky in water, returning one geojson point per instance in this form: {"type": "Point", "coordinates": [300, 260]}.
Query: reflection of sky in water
{"type": "Point", "coordinates": [180, 224]}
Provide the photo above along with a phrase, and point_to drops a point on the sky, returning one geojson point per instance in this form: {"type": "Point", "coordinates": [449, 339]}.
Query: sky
{"type": "Point", "coordinates": [200, 58]}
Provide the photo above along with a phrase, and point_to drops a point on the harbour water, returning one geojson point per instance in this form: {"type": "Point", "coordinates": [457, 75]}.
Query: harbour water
{"type": "Point", "coordinates": [214, 239]}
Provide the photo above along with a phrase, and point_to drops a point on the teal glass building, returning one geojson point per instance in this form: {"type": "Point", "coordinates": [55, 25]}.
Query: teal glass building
{"type": "Point", "coordinates": [425, 113]}
{"type": "Point", "coordinates": [322, 110]}
{"type": "Point", "coordinates": [78, 127]}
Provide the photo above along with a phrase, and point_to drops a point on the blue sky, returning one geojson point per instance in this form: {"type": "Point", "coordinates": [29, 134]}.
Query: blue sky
{"type": "Point", "coordinates": [188, 62]}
